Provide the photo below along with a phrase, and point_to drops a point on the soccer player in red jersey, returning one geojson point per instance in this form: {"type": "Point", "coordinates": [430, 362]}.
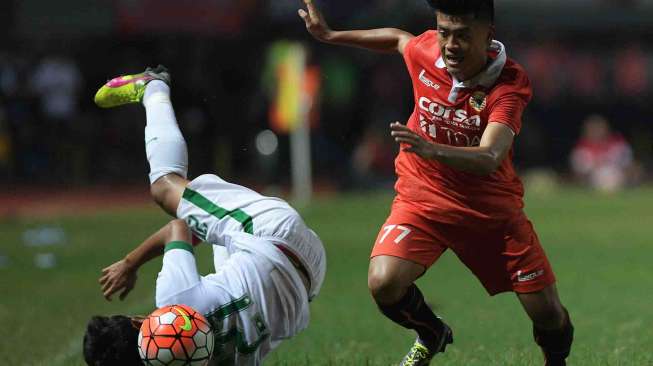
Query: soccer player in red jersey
{"type": "Point", "coordinates": [457, 188]}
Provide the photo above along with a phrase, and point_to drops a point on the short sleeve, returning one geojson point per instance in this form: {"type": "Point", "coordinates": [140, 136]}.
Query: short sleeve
{"type": "Point", "coordinates": [408, 54]}
{"type": "Point", "coordinates": [508, 110]}
{"type": "Point", "coordinates": [509, 99]}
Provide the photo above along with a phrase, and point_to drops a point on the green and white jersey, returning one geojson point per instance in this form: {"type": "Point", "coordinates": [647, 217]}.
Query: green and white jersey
{"type": "Point", "coordinates": [252, 303]}
{"type": "Point", "coordinates": [218, 211]}
{"type": "Point", "coordinates": [256, 298]}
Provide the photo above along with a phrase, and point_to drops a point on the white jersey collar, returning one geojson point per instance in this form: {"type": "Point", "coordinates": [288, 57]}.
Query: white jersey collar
{"type": "Point", "coordinates": [486, 78]}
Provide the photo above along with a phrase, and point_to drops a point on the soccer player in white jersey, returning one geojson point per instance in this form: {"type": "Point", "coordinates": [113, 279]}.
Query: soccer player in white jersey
{"type": "Point", "coordinates": [269, 264]}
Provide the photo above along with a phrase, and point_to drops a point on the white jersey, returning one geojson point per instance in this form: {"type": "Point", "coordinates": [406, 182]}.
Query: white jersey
{"type": "Point", "coordinates": [256, 298]}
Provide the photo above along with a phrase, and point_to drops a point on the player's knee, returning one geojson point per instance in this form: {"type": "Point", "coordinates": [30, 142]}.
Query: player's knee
{"type": "Point", "coordinates": [167, 191]}
{"type": "Point", "coordinates": [384, 287]}
{"type": "Point", "coordinates": [158, 191]}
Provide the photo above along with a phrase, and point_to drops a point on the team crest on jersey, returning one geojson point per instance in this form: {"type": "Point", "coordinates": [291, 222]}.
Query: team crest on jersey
{"type": "Point", "coordinates": [478, 101]}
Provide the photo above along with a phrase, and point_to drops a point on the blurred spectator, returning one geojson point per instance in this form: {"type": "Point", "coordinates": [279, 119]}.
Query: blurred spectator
{"type": "Point", "coordinates": [588, 80]}
{"type": "Point", "coordinates": [601, 158]}
{"type": "Point", "coordinates": [57, 81]}
{"type": "Point", "coordinates": [631, 71]}
{"type": "Point", "coordinates": [537, 61]}
{"type": "Point", "coordinates": [27, 157]}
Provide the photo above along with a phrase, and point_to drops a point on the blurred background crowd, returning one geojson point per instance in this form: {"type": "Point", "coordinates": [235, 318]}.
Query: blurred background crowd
{"type": "Point", "coordinates": [590, 63]}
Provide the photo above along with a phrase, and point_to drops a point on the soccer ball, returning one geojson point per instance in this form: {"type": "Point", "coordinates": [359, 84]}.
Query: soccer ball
{"type": "Point", "coordinates": [175, 335]}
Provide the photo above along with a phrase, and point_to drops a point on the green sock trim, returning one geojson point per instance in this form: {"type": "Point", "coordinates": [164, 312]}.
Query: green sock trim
{"type": "Point", "coordinates": [178, 245]}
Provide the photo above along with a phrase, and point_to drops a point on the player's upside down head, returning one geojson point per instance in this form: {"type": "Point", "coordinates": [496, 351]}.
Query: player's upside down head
{"type": "Point", "coordinates": [111, 340]}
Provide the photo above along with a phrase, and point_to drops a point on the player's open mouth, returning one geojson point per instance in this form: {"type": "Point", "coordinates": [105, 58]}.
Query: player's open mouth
{"type": "Point", "coordinates": [454, 60]}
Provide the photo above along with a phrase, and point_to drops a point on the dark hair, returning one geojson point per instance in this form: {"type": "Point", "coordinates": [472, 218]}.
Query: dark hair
{"type": "Point", "coordinates": [480, 9]}
{"type": "Point", "coordinates": [111, 341]}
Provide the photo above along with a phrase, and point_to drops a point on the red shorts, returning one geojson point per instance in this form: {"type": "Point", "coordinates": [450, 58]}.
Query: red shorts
{"type": "Point", "coordinates": [503, 255]}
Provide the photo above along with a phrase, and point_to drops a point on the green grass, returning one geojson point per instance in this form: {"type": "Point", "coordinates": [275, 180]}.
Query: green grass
{"type": "Point", "coordinates": [600, 247]}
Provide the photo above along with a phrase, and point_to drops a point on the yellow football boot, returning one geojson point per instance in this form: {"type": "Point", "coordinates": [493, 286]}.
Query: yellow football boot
{"type": "Point", "coordinates": [127, 89]}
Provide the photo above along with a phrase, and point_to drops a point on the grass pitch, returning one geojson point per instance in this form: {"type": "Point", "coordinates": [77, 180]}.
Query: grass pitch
{"type": "Point", "coordinates": [600, 247]}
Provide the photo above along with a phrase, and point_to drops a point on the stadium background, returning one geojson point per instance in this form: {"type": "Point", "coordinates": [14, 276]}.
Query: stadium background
{"type": "Point", "coordinates": [73, 180]}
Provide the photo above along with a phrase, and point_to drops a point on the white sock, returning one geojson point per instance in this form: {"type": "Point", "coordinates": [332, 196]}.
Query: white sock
{"type": "Point", "coordinates": [164, 144]}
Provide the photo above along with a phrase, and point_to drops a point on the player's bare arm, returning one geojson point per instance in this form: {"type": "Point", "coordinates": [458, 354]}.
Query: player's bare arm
{"type": "Point", "coordinates": [380, 40]}
{"type": "Point", "coordinates": [121, 276]}
{"type": "Point", "coordinates": [482, 160]}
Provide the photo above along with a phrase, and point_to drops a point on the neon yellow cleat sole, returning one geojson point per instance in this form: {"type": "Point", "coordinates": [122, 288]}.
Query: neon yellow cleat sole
{"type": "Point", "coordinates": [418, 355]}
{"type": "Point", "coordinates": [128, 89]}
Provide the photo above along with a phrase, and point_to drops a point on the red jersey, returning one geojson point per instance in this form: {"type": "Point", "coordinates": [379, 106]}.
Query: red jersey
{"type": "Point", "coordinates": [453, 113]}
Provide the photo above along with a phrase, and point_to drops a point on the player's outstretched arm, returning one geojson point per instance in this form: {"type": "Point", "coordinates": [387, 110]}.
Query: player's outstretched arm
{"type": "Point", "coordinates": [381, 39]}
{"type": "Point", "coordinates": [482, 160]}
{"type": "Point", "coordinates": [121, 276]}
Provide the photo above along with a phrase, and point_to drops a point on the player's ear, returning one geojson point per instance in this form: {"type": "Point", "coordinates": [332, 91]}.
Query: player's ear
{"type": "Point", "coordinates": [491, 34]}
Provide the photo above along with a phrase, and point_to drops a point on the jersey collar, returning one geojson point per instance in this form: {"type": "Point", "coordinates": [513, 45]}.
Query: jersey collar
{"type": "Point", "coordinates": [486, 78]}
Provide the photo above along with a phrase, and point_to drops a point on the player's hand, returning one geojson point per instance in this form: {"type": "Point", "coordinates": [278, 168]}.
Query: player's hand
{"type": "Point", "coordinates": [418, 145]}
{"type": "Point", "coordinates": [315, 23]}
{"type": "Point", "coordinates": [117, 277]}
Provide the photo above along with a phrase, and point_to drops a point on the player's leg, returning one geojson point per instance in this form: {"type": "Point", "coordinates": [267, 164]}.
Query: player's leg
{"type": "Point", "coordinates": [534, 283]}
{"type": "Point", "coordinates": [389, 278]}
{"type": "Point", "coordinates": [402, 253]}
{"type": "Point", "coordinates": [167, 154]}
{"type": "Point", "coordinates": [552, 327]}
{"type": "Point", "coordinates": [167, 192]}
{"type": "Point", "coordinates": [164, 144]}
{"type": "Point", "coordinates": [391, 281]}
{"type": "Point", "coordinates": [512, 259]}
